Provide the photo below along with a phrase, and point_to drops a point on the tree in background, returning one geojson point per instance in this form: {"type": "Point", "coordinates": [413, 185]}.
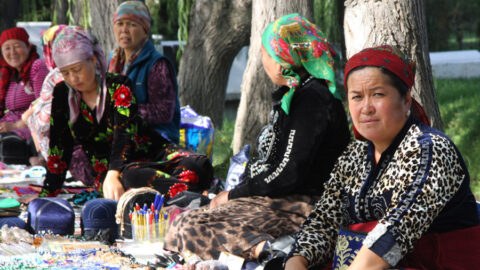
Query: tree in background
{"type": "Point", "coordinates": [328, 16]}
{"type": "Point", "coordinates": [255, 101]}
{"type": "Point", "coordinates": [218, 29]}
{"type": "Point", "coordinates": [402, 23]}
{"type": "Point", "coordinates": [97, 16]}
{"type": "Point", "coordinates": [449, 21]}
{"type": "Point", "coordinates": [165, 18]}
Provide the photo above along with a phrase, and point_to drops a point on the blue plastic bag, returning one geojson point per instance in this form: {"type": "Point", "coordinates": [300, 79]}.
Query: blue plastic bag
{"type": "Point", "coordinates": [196, 132]}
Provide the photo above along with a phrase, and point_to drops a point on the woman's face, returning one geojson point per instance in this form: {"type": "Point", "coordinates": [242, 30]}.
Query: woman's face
{"type": "Point", "coordinates": [129, 35]}
{"type": "Point", "coordinates": [272, 68]}
{"type": "Point", "coordinates": [377, 109]}
{"type": "Point", "coordinates": [81, 76]}
{"type": "Point", "coordinates": [15, 53]}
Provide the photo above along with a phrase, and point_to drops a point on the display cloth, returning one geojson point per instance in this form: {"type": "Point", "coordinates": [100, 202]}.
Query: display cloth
{"type": "Point", "coordinates": [19, 249]}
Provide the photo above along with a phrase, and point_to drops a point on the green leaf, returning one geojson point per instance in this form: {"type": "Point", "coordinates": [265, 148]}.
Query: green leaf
{"type": "Point", "coordinates": [123, 111]}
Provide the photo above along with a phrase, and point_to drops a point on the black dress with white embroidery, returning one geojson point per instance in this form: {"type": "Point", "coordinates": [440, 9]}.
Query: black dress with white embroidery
{"type": "Point", "coordinates": [296, 152]}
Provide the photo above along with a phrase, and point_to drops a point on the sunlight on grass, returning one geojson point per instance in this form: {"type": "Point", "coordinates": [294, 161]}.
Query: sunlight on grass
{"type": "Point", "coordinates": [458, 102]}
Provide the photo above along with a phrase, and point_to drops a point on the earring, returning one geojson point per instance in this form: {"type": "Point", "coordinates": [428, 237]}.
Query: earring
{"type": "Point", "coordinates": [408, 113]}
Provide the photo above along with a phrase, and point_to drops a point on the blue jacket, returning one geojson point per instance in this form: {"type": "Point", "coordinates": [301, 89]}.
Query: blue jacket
{"type": "Point", "coordinates": [138, 72]}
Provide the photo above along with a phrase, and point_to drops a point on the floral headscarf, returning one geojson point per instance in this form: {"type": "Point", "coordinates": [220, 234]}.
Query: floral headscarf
{"type": "Point", "coordinates": [47, 41]}
{"type": "Point", "coordinates": [294, 42]}
{"type": "Point", "coordinates": [73, 45]}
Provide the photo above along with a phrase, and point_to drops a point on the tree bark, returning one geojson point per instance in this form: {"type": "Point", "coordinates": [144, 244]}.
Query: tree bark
{"type": "Point", "coordinates": [255, 101]}
{"type": "Point", "coordinates": [102, 27]}
{"type": "Point", "coordinates": [395, 22]}
{"type": "Point", "coordinates": [218, 30]}
{"type": "Point", "coordinates": [101, 13]}
{"type": "Point", "coordinates": [61, 7]}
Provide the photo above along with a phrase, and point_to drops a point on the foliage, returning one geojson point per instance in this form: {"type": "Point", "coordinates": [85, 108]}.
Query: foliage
{"type": "Point", "coordinates": [164, 14]}
{"type": "Point", "coordinates": [326, 16]}
{"type": "Point", "coordinates": [458, 101]}
{"type": "Point", "coordinates": [452, 21]}
{"type": "Point", "coordinates": [35, 10]}
{"type": "Point", "coordinates": [222, 148]}
{"type": "Point", "coordinates": [184, 7]}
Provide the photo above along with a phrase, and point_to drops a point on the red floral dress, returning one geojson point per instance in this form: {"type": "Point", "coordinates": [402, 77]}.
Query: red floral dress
{"type": "Point", "coordinates": [121, 141]}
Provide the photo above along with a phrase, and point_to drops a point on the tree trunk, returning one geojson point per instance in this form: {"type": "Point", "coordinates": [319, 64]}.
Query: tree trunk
{"type": "Point", "coordinates": [101, 14]}
{"type": "Point", "coordinates": [102, 27]}
{"type": "Point", "coordinates": [255, 101]}
{"type": "Point", "coordinates": [218, 30]}
{"type": "Point", "coordinates": [402, 23]}
{"type": "Point", "coordinates": [61, 7]}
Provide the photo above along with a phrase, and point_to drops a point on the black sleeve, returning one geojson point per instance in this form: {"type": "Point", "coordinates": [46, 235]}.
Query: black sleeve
{"type": "Point", "coordinates": [61, 141]}
{"type": "Point", "coordinates": [304, 130]}
{"type": "Point", "coordinates": [123, 106]}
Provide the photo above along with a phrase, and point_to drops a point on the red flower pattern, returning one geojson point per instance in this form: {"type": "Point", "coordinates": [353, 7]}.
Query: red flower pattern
{"type": "Point", "coordinates": [177, 188]}
{"type": "Point", "coordinates": [188, 176]}
{"type": "Point", "coordinates": [318, 48]}
{"type": "Point", "coordinates": [97, 184]}
{"type": "Point", "coordinates": [122, 97]}
{"type": "Point", "coordinates": [56, 165]}
{"type": "Point", "coordinates": [285, 53]}
{"type": "Point", "coordinates": [88, 115]}
{"type": "Point", "coordinates": [99, 167]}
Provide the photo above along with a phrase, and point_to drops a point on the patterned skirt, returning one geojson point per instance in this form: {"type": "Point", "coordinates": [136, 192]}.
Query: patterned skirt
{"type": "Point", "coordinates": [238, 225]}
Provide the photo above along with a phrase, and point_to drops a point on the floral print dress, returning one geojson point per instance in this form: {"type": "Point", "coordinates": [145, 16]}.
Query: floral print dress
{"type": "Point", "coordinates": [121, 141]}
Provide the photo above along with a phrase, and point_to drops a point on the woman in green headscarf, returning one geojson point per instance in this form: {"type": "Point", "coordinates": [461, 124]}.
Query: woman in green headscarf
{"type": "Point", "coordinates": [296, 151]}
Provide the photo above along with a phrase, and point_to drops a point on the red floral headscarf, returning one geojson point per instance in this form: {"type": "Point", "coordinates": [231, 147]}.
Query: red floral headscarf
{"type": "Point", "coordinates": [395, 61]}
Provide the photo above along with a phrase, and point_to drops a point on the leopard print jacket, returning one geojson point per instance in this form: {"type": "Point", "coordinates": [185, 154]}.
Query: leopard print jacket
{"type": "Point", "coordinates": [419, 181]}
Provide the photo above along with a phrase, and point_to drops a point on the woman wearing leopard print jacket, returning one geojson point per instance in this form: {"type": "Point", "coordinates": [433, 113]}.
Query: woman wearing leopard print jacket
{"type": "Point", "coordinates": [403, 182]}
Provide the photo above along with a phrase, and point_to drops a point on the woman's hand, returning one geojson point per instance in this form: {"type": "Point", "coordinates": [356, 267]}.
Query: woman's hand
{"type": "Point", "coordinates": [11, 126]}
{"type": "Point", "coordinates": [296, 263]}
{"type": "Point", "coordinates": [220, 199]}
{"type": "Point", "coordinates": [112, 187]}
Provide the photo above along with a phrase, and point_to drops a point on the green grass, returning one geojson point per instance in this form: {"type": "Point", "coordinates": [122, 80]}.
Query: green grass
{"type": "Point", "coordinates": [222, 148]}
{"type": "Point", "coordinates": [458, 101]}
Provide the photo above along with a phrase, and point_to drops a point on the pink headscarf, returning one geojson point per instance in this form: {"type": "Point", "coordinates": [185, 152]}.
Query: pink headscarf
{"type": "Point", "coordinates": [73, 45]}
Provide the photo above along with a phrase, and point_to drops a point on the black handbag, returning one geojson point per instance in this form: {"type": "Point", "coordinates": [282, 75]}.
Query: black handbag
{"type": "Point", "coordinates": [14, 149]}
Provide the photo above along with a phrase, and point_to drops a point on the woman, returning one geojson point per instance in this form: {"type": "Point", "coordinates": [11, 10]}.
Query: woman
{"type": "Point", "coordinates": [307, 132]}
{"type": "Point", "coordinates": [99, 111]}
{"type": "Point", "coordinates": [405, 180]}
{"type": "Point", "coordinates": [21, 77]}
{"type": "Point", "coordinates": [152, 74]}
{"type": "Point", "coordinates": [37, 117]}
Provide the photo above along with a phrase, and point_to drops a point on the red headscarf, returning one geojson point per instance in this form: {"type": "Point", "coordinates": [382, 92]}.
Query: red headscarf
{"type": "Point", "coordinates": [6, 71]}
{"type": "Point", "coordinates": [393, 60]}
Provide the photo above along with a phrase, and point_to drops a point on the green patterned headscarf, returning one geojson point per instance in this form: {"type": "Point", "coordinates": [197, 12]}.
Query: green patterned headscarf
{"type": "Point", "coordinates": [293, 42]}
